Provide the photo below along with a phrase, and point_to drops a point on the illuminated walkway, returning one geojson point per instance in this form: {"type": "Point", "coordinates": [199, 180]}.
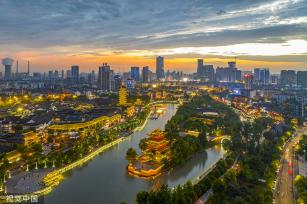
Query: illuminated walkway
{"type": "Point", "coordinates": [103, 120]}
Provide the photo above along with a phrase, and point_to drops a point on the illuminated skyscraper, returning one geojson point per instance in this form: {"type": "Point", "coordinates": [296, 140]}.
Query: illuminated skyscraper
{"type": "Point", "coordinates": [160, 67]}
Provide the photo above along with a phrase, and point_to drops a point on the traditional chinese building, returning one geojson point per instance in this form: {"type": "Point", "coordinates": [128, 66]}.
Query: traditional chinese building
{"type": "Point", "coordinates": [150, 163]}
{"type": "Point", "coordinates": [122, 100]}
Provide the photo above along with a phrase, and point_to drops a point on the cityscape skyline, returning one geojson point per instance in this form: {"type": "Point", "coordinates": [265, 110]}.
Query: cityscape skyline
{"type": "Point", "coordinates": [50, 36]}
{"type": "Point", "coordinates": [153, 102]}
{"type": "Point", "coordinates": [23, 65]}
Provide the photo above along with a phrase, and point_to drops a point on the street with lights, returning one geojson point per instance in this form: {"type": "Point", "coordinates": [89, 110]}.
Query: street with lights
{"type": "Point", "coordinates": [285, 192]}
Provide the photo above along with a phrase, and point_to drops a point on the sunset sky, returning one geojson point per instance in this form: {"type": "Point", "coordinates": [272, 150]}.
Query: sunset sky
{"type": "Point", "coordinates": [56, 34]}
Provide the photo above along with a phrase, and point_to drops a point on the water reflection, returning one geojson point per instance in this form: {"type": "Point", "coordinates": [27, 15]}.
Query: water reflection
{"type": "Point", "coordinates": [105, 180]}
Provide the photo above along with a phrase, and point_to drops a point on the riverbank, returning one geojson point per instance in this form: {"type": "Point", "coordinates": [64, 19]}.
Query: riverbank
{"type": "Point", "coordinates": [101, 178]}
{"type": "Point", "coordinates": [49, 178]}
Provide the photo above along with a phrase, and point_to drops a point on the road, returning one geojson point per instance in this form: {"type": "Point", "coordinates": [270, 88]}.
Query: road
{"type": "Point", "coordinates": [284, 187]}
{"type": "Point", "coordinates": [204, 198]}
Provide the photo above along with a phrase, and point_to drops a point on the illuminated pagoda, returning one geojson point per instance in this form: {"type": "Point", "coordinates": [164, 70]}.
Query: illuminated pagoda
{"type": "Point", "coordinates": [122, 100]}
{"type": "Point", "coordinates": [150, 163]}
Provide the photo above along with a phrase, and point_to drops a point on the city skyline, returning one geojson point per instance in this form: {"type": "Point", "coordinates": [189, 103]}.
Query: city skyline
{"type": "Point", "coordinates": [58, 34]}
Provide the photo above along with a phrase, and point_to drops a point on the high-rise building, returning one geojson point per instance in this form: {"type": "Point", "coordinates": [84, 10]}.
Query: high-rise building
{"type": "Point", "coordinates": [56, 74]}
{"type": "Point", "coordinates": [28, 68]}
{"type": "Point", "coordinates": [122, 96]}
{"type": "Point", "coordinates": [105, 78]}
{"type": "Point", "coordinates": [232, 65]}
{"type": "Point", "coordinates": [302, 78]}
{"type": "Point", "coordinates": [205, 72]}
{"type": "Point", "coordinates": [261, 76]}
{"type": "Point", "coordinates": [37, 76]}
{"type": "Point", "coordinates": [288, 77]}
{"type": "Point", "coordinates": [135, 73]}
{"type": "Point", "coordinates": [234, 74]}
{"type": "Point", "coordinates": [160, 67]}
{"type": "Point", "coordinates": [91, 78]}
{"type": "Point", "coordinates": [146, 74]}
{"type": "Point", "coordinates": [209, 73]}
{"type": "Point", "coordinates": [200, 67]}
{"type": "Point", "coordinates": [50, 74]}
{"type": "Point", "coordinates": [7, 63]}
{"type": "Point", "coordinates": [228, 74]}
{"type": "Point", "coordinates": [75, 73]}
{"type": "Point", "coordinates": [68, 74]}
{"type": "Point", "coordinates": [117, 82]}
{"type": "Point", "coordinates": [62, 74]}
{"type": "Point", "coordinates": [274, 79]}
{"type": "Point", "coordinates": [248, 81]}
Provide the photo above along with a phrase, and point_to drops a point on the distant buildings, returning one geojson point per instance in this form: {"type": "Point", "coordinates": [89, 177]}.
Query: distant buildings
{"type": "Point", "coordinates": [160, 67]}
{"type": "Point", "coordinates": [288, 77]}
{"type": "Point", "coordinates": [75, 73]}
{"type": "Point", "coordinates": [302, 79]}
{"type": "Point", "coordinates": [145, 74]}
{"type": "Point", "coordinates": [261, 76]}
{"type": "Point", "coordinates": [135, 73]}
{"type": "Point", "coordinates": [105, 78]}
{"type": "Point", "coordinates": [274, 79]}
{"type": "Point", "coordinates": [205, 72]}
{"type": "Point", "coordinates": [228, 74]}
{"type": "Point", "coordinates": [117, 82]}
{"type": "Point", "coordinates": [7, 63]}
{"type": "Point", "coordinates": [200, 67]}
{"type": "Point", "coordinates": [248, 81]}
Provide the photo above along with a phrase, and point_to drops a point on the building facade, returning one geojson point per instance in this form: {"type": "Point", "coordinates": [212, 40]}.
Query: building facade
{"type": "Point", "coordinates": [160, 67]}
{"type": "Point", "coordinates": [105, 80]}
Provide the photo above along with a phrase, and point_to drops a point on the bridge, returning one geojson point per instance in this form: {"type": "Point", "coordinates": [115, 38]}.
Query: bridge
{"type": "Point", "coordinates": [220, 138]}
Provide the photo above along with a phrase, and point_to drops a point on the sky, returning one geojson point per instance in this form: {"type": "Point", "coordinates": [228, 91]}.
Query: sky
{"type": "Point", "coordinates": [56, 34]}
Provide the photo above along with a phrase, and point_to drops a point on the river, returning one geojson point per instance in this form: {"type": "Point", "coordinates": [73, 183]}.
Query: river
{"type": "Point", "coordinates": [104, 179]}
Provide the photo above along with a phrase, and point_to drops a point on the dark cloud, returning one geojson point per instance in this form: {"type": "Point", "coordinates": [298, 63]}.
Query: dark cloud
{"type": "Point", "coordinates": [134, 24]}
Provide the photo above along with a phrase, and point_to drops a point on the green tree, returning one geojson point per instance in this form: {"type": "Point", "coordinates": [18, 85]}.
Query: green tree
{"type": "Point", "coordinates": [142, 197]}
{"type": "Point", "coordinates": [131, 155]}
{"type": "Point", "coordinates": [203, 138]}
{"type": "Point", "coordinates": [143, 144]}
{"type": "Point", "coordinates": [218, 186]}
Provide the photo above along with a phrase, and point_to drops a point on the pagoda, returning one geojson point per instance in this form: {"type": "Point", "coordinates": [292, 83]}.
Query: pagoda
{"type": "Point", "coordinates": [122, 99]}
{"type": "Point", "coordinates": [150, 163]}
{"type": "Point", "coordinates": [156, 147]}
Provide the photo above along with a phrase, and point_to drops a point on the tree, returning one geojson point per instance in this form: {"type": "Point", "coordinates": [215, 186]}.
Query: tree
{"type": "Point", "coordinates": [143, 144]}
{"type": "Point", "coordinates": [142, 197]}
{"type": "Point", "coordinates": [218, 186]}
{"type": "Point", "coordinates": [203, 138]}
{"type": "Point", "coordinates": [131, 155]}
{"type": "Point", "coordinates": [230, 176]}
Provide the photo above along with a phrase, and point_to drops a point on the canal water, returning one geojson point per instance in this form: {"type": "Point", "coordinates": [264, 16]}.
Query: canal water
{"type": "Point", "coordinates": [104, 179]}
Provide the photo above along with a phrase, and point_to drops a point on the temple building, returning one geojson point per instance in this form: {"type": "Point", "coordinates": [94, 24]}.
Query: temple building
{"type": "Point", "coordinates": [150, 163]}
